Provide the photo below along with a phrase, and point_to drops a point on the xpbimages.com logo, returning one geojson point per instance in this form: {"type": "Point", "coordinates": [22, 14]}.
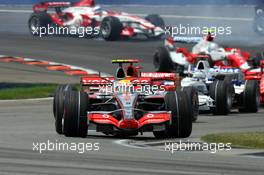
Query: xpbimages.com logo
{"type": "Point", "coordinates": [213, 148]}
{"type": "Point", "coordinates": [128, 88]}
{"type": "Point", "coordinates": [50, 146]}
{"type": "Point", "coordinates": [68, 30]}
{"type": "Point", "coordinates": [188, 29]}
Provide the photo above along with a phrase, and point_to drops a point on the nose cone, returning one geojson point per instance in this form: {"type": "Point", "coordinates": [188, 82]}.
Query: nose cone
{"type": "Point", "coordinates": [128, 124]}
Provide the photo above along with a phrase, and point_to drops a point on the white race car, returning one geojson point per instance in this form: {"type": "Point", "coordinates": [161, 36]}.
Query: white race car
{"type": "Point", "coordinates": [221, 89]}
{"type": "Point", "coordinates": [109, 24]}
{"type": "Point", "coordinates": [174, 58]}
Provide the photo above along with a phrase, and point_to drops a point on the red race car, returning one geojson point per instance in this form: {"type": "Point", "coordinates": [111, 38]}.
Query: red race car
{"type": "Point", "coordinates": [173, 59]}
{"type": "Point", "coordinates": [128, 104]}
{"type": "Point", "coordinates": [85, 18]}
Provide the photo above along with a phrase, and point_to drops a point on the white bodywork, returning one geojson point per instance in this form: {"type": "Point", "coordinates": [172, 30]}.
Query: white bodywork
{"type": "Point", "coordinates": [99, 14]}
{"type": "Point", "coordinates": [203, 46]}
{"type": "Point", "coordinates": [201, 78]}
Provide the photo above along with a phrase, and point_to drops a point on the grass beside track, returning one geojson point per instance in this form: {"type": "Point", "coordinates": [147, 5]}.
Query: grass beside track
{"type": "Point", "coordinates": [28, 92]}
{"type": "Point", "coordinates": [243, 140]}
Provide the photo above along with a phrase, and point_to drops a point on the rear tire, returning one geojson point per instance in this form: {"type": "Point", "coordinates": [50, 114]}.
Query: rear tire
{"type": "Point", "coordinates": [38, 20]}
{"type": "Point", "coordinates": [155, 20]}
{"type": "Point", "coordinates": [75, 115]}
{"type": "Point", "coordinates": [222, 91]}
{"type": "Point", "coordinates": [251, 97]}
{"type": "Point", "coordinates": [162, 61]}
{"type": "Point", "coordinates": [111, 28]}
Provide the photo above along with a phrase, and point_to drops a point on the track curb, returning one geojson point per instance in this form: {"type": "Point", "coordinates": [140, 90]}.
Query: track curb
{"type": "Point", "coordinates": [52, 66]}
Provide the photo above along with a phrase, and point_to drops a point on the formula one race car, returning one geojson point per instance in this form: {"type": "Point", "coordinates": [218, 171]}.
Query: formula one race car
{"type": "Point", "coordinates": [220, 89]}
{"type": "Point", "coordinates": [204, 49]}
{"type": "Point", "coordinates": [259, 20]}
{"type": "Point", "coordinates": [172, 59]}
{"type": "Point", "coordinates": [85, 16]}
{"type": "Point", "coordinates": [126, 105]}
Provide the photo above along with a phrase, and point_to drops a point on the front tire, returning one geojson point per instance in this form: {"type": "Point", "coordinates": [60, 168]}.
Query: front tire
{"type": "Point", "coordinates": [111, 28]}
{"type": "Point", "coordinates": [38, 20]}
{"type": "Point", "coordinates": [177, 102]}
{"type": "Point", "coordinates": [58, 105]}
{"type": "Point", "coordinates": [75, 115]}
{"type": "Point", "coordinates": [193, 98]}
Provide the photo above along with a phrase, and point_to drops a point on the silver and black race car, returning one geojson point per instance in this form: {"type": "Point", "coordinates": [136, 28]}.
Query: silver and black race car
{"type": "Point", "coordinates": [221, 89]}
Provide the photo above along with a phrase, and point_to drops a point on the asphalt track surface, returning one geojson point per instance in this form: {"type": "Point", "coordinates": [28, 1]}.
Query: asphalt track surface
{"type": "Point", "coordinates": [26, 122]}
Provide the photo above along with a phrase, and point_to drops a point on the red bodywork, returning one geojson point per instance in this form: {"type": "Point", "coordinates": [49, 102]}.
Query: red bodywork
{"type": "Point", "coordinates": [44, 6]}
{"type": "Point", "coordinates": [60, 18]}
{"type": "Point", "coordinates": [257, 74]}
{"type": "Point", "coordinates": [149, 118]}
{"type": "Point", "coordinates": [236, 59]}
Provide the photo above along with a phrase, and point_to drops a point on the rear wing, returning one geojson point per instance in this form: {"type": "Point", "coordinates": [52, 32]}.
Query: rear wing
{"type": "Point", "coordinates": [170, 41]}
{"type": "Point", "coordinates": [125, 61]}
{"type": "Point", "coordinates": [44, 6]}
{"type": "Point", "coordinates": [188, 40]}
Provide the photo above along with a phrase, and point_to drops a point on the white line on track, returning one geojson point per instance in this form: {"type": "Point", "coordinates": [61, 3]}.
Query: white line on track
{"type": "Point", "coordinates": [15, 11]}
{"type": "Point", "coordinates": [25, 100]}
{"type": "Point", "coordinates": [165, 16]}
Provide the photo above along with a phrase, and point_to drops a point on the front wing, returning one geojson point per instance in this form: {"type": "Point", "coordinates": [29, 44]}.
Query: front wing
{"type": "Point", "coordinates": [151, 118]}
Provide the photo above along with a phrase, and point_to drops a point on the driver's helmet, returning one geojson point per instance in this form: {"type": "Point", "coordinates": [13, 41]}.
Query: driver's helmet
{"type": "Point", "coordinates": [212, 46]}
{"type": "Point", "coordinates": [98, 9]}
{"type": "Point", "coordinates": [123, 86]}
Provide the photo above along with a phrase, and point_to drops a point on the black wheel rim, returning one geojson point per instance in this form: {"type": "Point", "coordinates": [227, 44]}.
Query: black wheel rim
{"type": "Point", "coordinates": [106, 28]}
{"type": "Point", "coordinates": [34, 24]}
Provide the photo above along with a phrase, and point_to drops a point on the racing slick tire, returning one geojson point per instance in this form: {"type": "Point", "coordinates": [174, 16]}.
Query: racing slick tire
{"type": "Point", "coordinates": [162, 61]}
{"type": "Point", "coordinates": [251, 97]}
{"type": "Point", "coordinates": [38, 20]}
{"type": "Point", "coordinates": [193, 96]}
{"type": "Point", "coordinates": [111, 28]}
{"type": "Point", "coordinates": [160, 134]}
{"type": "Point", "coordinates": [181, 125]}
{"type": "Point", "coordinates": [222, 91]}
{"type": "Point", "coordinates": [58, 105]}
{"type": "Point", "coordinates": [75, 114]}
{"type": "Point", "coordinates": [155, 20]}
